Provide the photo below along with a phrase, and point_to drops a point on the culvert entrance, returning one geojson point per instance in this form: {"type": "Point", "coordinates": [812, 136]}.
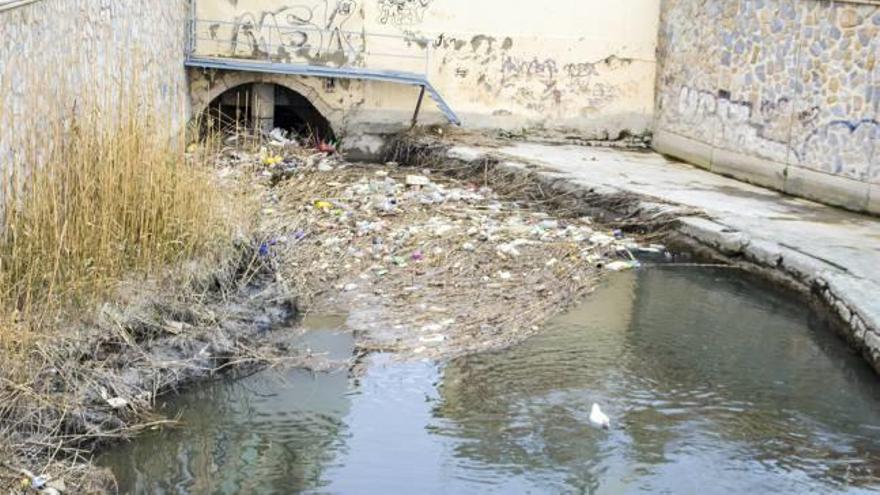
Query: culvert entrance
{"type": "Point", "coordinates": [264, 107]}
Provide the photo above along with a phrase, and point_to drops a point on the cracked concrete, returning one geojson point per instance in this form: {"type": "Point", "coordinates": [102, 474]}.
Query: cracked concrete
{"type": "Point", "coordinates": [830, 252]}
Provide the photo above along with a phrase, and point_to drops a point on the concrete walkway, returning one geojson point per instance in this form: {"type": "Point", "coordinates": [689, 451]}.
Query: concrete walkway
{"type": "Point", "coordinates": [831, 251]}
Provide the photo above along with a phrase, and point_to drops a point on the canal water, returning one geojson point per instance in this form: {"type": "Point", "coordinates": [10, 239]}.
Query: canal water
{"type": "Point", "coordinates": [714, 382]}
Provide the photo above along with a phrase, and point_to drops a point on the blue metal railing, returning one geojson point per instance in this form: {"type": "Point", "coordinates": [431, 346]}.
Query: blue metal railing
{"type": "Point", "coordinates": [308, 50]}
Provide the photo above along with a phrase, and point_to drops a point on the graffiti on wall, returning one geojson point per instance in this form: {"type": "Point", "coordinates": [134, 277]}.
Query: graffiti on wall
{"type": "Point", "coordinates": [779, 130]}
{"type": "Point", "coordinates": [317, 31]}
{"type": "Point", "coordinates": [403, 12]}
{"type": "Point", "coordinates": [800, 94]}
{"type": "Point", "coordinates": [582, 82]}
{"type": "Point", "coordinates": [737, 122]}
{"type": "Point", "coordinates": [543, 84]}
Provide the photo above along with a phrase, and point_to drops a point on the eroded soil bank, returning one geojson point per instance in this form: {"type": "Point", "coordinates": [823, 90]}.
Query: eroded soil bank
{"type": "Point", "coordinates": [98, 380]}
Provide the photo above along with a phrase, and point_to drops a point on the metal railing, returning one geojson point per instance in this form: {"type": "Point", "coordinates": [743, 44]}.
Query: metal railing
{"type": "Point", "coordinates": [307, 44]}
{"type": "Point", "coordinates": [297, 47]}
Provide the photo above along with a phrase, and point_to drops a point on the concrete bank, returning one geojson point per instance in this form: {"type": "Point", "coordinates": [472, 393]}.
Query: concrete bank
{"type": "Point", "coordinates": [829, 253]}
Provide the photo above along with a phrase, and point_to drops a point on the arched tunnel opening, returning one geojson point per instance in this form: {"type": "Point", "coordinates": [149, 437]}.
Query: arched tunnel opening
{"type": "Point", "coordinates": [262, 107]}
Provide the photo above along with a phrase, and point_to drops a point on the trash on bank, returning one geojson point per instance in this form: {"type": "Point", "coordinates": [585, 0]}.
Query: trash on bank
{"type": "Point", "coordinates": [271, 160]}
{"type": "Point", "coordinates": [279, 138]}
{"type": "Point", "coordinates": [114, 402]}
{"type": "Point", "coordinates": [44, 484]}
{"type": "Point", "coordinates": [417, 180]}
{"type": "Point", "coordinates": [434, 339]}
{"type": "Point", "coordinates": [402, 242]}
{"type": "Point", "coordinates": [619, 266]}
{"type": "Point", "coordinates": [325, 147]}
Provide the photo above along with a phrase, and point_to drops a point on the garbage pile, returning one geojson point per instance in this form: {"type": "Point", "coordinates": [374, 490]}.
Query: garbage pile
{"type": "Point", "coordinates": [425, 264]}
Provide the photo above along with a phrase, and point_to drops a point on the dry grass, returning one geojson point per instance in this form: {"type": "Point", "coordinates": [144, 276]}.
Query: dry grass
{"type": "Point", "coordinates": [108, 232]}
{"type": "Point", "coordinates": [90, 202]}
{"type": "Point", "coordinates": [100, 214]}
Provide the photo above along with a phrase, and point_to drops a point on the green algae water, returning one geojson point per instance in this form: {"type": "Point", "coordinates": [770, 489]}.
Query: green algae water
{"type": "Point", "coordinates": [714, 382]}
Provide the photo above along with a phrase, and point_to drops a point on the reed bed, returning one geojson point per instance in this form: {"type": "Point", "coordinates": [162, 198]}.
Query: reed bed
{"type": "Point", "coordinates": [100, 209]}
{"type": "Point", "coordinates": [94, 201]}
{"type": "Point", "coordinates": [113, 240]}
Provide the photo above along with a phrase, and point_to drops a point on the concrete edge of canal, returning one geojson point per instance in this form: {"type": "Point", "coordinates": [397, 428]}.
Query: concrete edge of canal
{"type": "Point", "coordinates": [850, 299]}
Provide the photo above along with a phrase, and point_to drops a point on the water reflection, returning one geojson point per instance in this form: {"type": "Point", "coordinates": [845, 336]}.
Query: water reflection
{"type": "Point", "coordinates": [715, 384]}
{"type": "Point", "coordinates": [770, 378]}
{"type": "Point", "coordinates": [268, 433]}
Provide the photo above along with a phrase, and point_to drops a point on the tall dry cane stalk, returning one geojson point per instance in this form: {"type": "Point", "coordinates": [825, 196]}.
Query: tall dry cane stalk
{"type": "Point", "coordinates": [93, 198]}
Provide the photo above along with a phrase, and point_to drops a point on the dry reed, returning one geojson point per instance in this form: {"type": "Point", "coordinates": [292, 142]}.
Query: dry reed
{"type": "Point", "coordinates": [96, 189]}
{"type": "Point", "coordinates": [97, 198]}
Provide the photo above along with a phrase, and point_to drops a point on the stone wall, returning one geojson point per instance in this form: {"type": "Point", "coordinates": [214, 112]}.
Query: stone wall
{"type": "Point", "coordinates": [582, 65]}
{"type": "Point", "coordinates": [60, 57]}
{"type": "Point", "coordinates": [783, 93]}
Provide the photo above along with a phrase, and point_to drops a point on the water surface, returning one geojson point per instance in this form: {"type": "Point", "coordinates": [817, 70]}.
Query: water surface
{"type": "Point", "coordinates": [714, 382]}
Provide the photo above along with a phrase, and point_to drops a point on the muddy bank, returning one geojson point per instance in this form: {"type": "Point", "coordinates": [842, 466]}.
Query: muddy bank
{"type": "Point", "coordinates": [99, 380]}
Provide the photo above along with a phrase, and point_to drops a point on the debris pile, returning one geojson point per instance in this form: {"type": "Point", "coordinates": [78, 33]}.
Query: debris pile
{"type": "Point", "coordinates": [425, 264]}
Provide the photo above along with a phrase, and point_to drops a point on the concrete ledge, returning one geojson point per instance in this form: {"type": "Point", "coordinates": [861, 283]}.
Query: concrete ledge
{"type": "Point", "coordinates": [720, 237]}
{"type": "Point", "coordinates": [467, 154]}
{"type": "Point", "coordinates": [765, 253]}
{"type": "Point", "coordinates": [747, 168]}
{"type": "Point", "coordinates": [684, 148]}
{"type": "Point", "coordinates": [826, 188]}
{"type": "Point", "coordinates": [363, 146]}
{"type": "Point", "coordinates": [852, 299]}
{"type": "Point", "coordinates": [798, 181]}
{"type": "Point", "coordinates": [874, 198]}
{"type": "Point", "coordinates": [14, 4]}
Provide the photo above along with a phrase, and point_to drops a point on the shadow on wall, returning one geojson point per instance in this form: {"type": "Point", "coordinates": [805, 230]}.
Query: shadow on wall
{"type": "Point", "coordinates": [240, 108]}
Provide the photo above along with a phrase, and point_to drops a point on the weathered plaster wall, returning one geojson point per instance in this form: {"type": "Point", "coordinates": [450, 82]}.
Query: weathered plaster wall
{"type": "Point", "coordinates": [784, 93]}
{"type": "Point", "coordinates": [585, 65]}
{"type": "Point", "coordinates": [59, 57]}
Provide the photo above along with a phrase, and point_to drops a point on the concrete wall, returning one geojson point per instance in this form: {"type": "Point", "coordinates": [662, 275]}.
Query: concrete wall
{"type": "Point", "coordinates": [783, 93]}
{"type": "Point", "coordinates": [64, 56]}
{"type": "Point", "coordinates": [575, 64]}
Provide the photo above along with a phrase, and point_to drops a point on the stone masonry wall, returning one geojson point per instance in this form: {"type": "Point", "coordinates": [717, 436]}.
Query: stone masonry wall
{"type": "Point", "coordinates": [784, 93]}
{"type": "Point", "coordinates": [59, 57]}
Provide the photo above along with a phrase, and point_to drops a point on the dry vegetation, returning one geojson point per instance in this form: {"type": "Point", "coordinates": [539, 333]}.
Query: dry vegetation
{"type": "Point", "coordinates": [107, 233]}
{"type": "Point", "coordinates": [107, 200]}
{"type": "Point", "coordinates": [120, 278]}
